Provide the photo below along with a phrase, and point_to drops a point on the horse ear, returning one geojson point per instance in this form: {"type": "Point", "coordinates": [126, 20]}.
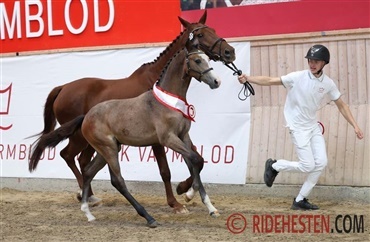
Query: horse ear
{"type": "Point", "coordinates": [184, 23]}
{"type": "Point", "coordinates": [203, 19]}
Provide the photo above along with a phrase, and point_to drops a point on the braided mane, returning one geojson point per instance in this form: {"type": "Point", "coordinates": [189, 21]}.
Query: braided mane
{"type": "Point", "coordinates": [167, 65]}
{"type": "Point", "coordinates": [167, 49]}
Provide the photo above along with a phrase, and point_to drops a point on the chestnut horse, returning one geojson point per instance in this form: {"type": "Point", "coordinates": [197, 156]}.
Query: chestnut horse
{"type": "Point", "coordinates": [68, 101]}
{"type": "Point", "coordinates": [160, 116]}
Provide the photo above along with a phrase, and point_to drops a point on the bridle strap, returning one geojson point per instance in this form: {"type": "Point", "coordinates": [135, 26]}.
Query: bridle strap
{"type": "Point", "coordinates": [212, 56]}
{"type": "Point", "coordinates": [247, 88]}
{"type": "Point", "coordinates": [219, 49]}
{"type": "Point", "coordinates": [201, 27]}
{"type": "Point", "coordinates": [247, 91]}
{"type": "Point", "coordinates": [234, 68]}
{"type": "Point", "coordinates": [201, 73]}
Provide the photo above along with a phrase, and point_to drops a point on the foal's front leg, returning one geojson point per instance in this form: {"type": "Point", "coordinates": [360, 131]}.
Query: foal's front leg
{"type": "Point", "coordinates": [184, 186]}
{"type": "Point", "coordinates": [195, 163]}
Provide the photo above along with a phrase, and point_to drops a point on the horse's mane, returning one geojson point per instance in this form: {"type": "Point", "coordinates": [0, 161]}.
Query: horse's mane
{"type": "Point", "coordinates": [167, 64]}
{"type": "Point", "coordinates": [166, 50]}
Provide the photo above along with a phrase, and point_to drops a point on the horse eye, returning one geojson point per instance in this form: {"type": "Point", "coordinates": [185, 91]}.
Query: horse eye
{"type": "Point", "coordinates": [198, 61]}
{"type": "Point", "coordinates": [200, 35]}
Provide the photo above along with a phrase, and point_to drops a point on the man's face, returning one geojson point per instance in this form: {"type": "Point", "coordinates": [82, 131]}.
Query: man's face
{"type": "Point", "coordinates": [315, 65]}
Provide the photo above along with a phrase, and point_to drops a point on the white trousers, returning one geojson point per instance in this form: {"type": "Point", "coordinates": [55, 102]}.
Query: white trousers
{"type": "Point", "coordinates": [311, 152]}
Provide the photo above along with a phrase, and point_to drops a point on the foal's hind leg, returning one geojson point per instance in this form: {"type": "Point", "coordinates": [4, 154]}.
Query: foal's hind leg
{"type": "Point", "coordinates": [75, 145]}
{"type": "Point", "coordinates": [89, 173]}
{"type": "Point", "coordinates": [108, 152]}
{"type": "Point", "coordinates": [166, 178]}
{"type": "Point", "coordinates": [84, 159]}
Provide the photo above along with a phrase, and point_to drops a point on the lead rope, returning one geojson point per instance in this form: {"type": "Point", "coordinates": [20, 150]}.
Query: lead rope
{"type": "Point", "coordinates": [247, 89]}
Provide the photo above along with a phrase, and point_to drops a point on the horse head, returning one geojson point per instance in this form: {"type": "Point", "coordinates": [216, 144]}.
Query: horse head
{"type": "Point", "coordinates": [208, 41]}
{"type": "Point", "coordinates": [197, 66]}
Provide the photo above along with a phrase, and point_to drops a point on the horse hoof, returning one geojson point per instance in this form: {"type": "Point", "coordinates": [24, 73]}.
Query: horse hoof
{"type": "Point", "coordinates": [179, 189]}
{"type": "Point", "coordinates": [153, 224]}
{"type": "Point", "coordinates": [181, 210]}
{"type": "Point", "coordinates": [91, 220]}
{"type": "Point", "coordinates": [215, 214]}
{"type": "Point", "coordinates": [186, 198]}
{"type": "Point", "coordinates": [79, 196]}
{"type": "Point", "coordinates": [95, 201]}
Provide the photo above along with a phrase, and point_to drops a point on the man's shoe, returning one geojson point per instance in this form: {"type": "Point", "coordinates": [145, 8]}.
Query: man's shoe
{"type": "Point", "coordinates": [303, 205]}
{"type": "Point", "coordinates": [270, 173]}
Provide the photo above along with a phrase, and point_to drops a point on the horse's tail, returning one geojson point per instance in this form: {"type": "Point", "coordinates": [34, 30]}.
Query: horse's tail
{"type": "Point", "coordinates": [52, 139]}
{"type": "Point", "coordinates": [49, 115]}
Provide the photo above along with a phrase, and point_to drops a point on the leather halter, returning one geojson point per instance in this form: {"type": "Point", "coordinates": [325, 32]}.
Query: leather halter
{"type": "Point", "coordinates": [213, 56]}
{"type": "Point", "coordinates": [247, 88]}
{"type": "Point", "coordinates": [201, 73]}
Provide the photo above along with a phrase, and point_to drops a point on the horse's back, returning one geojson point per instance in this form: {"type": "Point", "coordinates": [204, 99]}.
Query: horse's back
{"type": "Point", "coordinates": [79, 96]}
{"type": "Point", "coordinates": [129, 121]}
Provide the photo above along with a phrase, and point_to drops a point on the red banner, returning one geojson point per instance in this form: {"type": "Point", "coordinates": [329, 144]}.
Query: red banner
{"type": "Point", "coordinates": [286, 17]}
{"type": "Point", "coordinates": [50, 24]}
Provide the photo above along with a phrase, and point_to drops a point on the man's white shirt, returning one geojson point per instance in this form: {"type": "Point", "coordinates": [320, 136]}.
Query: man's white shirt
{"type": "Point", "coordinates": [305, 94]}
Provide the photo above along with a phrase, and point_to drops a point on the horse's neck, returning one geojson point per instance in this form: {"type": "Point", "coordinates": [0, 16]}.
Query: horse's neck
{"type": "Point", "coordinates": [174, 81]}
{"type": "Point", "coordinates": [177, 86]}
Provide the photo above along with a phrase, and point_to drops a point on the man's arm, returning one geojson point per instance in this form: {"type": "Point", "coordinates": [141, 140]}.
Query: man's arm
{"type": "Point", "coordinates": [347, 114]}
{"type": "Point", "coordinates": [260, 80]}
